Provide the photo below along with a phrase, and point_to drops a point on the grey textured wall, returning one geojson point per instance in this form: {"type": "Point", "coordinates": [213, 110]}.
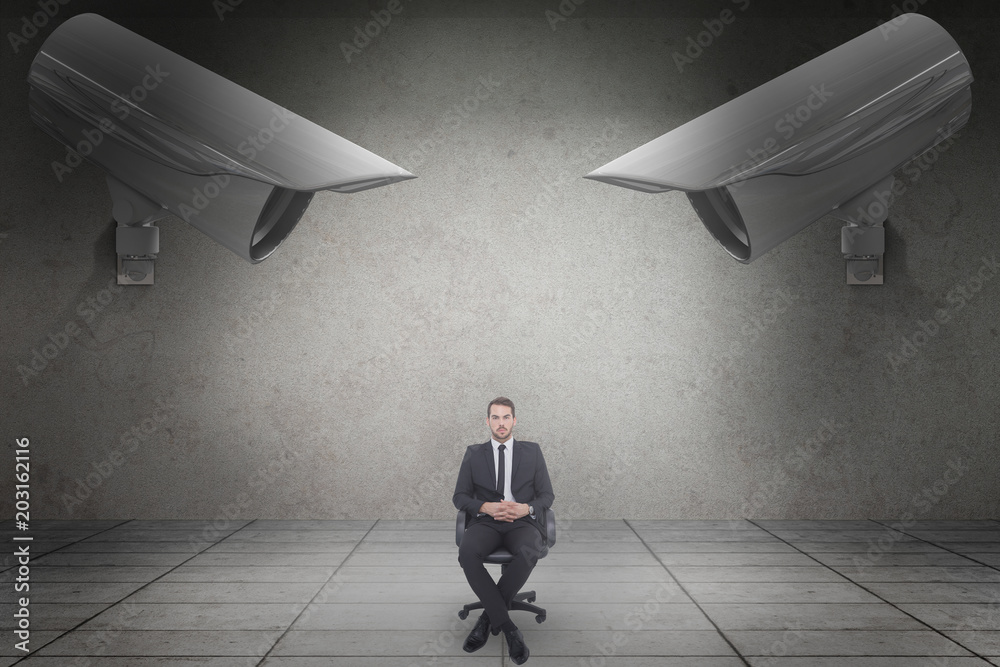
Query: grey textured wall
{"type": "Point", "coordinates": [344, 376]}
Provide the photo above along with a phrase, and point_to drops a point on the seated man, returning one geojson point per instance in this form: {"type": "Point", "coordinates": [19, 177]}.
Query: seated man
{"type": "Point", "coordinates": [503, 485]}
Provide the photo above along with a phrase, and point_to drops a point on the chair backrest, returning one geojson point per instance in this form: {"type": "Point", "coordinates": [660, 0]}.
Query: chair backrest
{"type": "Point", "coordinates": [463, 518]}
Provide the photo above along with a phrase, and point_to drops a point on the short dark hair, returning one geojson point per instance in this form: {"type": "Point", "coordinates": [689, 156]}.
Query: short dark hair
{"type": "Point", "coordinates": [501, 400]}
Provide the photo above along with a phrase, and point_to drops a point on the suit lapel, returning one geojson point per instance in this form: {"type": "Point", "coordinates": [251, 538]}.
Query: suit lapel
{"type": "Point", "coordinates": [490, 463]}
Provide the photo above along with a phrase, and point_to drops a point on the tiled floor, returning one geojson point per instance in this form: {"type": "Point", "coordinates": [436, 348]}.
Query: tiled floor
{"type": "Point", "coordinates": [617, 593]}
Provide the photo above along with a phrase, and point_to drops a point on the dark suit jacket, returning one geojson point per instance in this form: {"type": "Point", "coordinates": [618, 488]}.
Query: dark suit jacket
{"type": "Point", "coordinates": [477, 481]}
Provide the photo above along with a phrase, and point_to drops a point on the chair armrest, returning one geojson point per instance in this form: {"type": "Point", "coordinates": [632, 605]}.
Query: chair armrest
{"type": "Point", "coordinates": [550, 527]}
{"type": "Point", "coordinates": [459, 528]}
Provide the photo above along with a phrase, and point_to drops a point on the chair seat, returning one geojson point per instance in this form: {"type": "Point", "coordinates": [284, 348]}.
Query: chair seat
{"type": "Point", "coordinates": [502, 556]}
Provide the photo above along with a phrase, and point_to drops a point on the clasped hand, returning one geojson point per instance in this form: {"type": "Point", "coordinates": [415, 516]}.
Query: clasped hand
{"type": "Point", "coordinates": [506, 510]}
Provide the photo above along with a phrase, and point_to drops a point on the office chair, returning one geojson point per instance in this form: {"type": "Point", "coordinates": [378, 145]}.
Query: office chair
{"type": "Point", "coordinates": [522, 600]}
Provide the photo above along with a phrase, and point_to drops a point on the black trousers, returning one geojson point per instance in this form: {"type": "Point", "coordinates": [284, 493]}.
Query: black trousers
{"type": "Point", "coordinates": [521, 539]}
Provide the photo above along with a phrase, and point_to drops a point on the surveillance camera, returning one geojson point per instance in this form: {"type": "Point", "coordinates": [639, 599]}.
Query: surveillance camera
{"type": "Point", "coordinates": [177, 138]}
{"type": "Point", "coordinates": [820, 139]}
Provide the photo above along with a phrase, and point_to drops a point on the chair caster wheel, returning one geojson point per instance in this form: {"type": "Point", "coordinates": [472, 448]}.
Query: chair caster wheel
{"type": "Point", "coordinates": [539, 618]}
{"type": "Point", "coordinates": [464, 614]}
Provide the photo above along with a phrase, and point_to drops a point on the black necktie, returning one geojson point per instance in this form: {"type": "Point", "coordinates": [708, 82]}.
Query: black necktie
{"type": "Point", "coordinates": [500, 473]}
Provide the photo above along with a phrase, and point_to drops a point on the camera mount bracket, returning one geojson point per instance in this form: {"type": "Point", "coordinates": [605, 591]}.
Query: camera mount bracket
{"type": "Point", "coordinates": [137, 239]}
{"type": "Point", "coordinates": [862, 240]}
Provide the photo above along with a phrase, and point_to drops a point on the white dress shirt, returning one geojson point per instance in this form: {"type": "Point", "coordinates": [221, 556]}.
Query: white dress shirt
{"type": "Point", "coordinates": [508, 458]}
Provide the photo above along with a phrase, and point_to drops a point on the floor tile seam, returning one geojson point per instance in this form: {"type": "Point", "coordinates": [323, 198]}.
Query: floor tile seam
{"type": "Point", "coordinates": [323, 587]}
{"type": "Point", "coordinates": [891, 604]}
{"type": "Point", "coordinates": [247, 525]}
{"type": "Point", "coordinates": [430, 630]}
{"type": "Point", "coordinates": [718, 630]}
{"type": "Point", "coordinates": [567, 602]}
{"type": "Point", "coordinates": [621, 602]}
{"type": "Point", "coordinates": [416, 585]}
{"type": "Point", "coordinates": [68, 543]}
{"type": "Point", "coordinates": [503, 663]}
{"type": "Point", "coordinates": [849, 581]}
{"type": "Point", "coordinates": [109, 605]}
{"type": "Point", "coordinates": [940, 545]}
{"type": "Point", "coordinates": [457, 580]}
{"type": "Point", "coordinates": [213, 553]}
{"type": "Point", "coordinates": [392, 603]}
{"type": "Point", "coordinates": [209, 524]}
{"type": "Point", "coordinates": [172, 568]}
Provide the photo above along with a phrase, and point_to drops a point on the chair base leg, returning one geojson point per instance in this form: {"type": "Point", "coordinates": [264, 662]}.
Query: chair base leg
{"type": "Point", "coordinates": [521, 602]}
{"type": "Point", "coordinates": [464, 614]}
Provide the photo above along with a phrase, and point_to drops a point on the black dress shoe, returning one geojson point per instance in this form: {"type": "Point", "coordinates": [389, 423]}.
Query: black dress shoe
{"type": "Point", "coordinates": [516, 647]}
{"type": "Point", "coordinates": [480, 633]}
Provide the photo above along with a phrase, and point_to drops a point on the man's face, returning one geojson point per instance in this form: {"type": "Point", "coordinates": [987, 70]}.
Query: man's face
{"type": "Point", "coordinates": [501, 422]}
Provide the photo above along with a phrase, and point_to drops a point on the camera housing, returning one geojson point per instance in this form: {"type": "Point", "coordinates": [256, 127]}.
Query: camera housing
{"type": "Point", "coordinates": [817, 140]}
{"type": "Point", "coordinates": [176, 138]}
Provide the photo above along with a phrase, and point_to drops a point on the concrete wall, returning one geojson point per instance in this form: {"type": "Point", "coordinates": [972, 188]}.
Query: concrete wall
{"type": "Point", "coordinates": [344, 376]}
